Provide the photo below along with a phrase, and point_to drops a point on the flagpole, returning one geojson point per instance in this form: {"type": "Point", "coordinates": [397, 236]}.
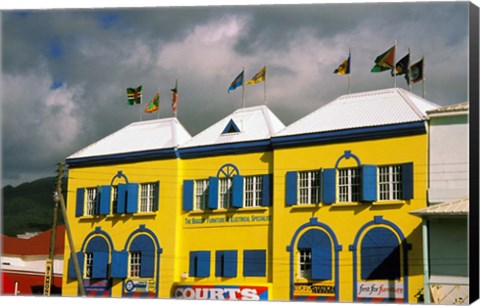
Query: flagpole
{"type": "Point", "coordinates": [394, 64]}
{"type": "Point", "coordinates": [243, 88]}
{"type": "Point", "coordinates": [408, 70]}
{"type": "Point", "coordinates": [424, 90]}
{"type": "Point", "coordinates": [350, 70]}
{"type": "Point", "coordinates": [265, 87]}
{"type": "Point", "coordinates": [140, 107]}
{"type": "Point", "coordinates": [158, 111]}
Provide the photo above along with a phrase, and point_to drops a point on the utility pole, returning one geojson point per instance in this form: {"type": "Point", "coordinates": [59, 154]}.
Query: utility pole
{"type": "Point", "coordinates": [58, 198]}
{"type": "Point", "coordinates": [48, 280]}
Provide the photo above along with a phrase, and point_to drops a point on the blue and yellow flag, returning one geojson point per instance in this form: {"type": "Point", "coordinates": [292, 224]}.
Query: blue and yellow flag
{"type": "Point", "coordinates": [237, 82]}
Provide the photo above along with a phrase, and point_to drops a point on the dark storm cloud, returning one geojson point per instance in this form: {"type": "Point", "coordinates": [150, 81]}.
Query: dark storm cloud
{"type": "Point", "coordinates": [67, 70]}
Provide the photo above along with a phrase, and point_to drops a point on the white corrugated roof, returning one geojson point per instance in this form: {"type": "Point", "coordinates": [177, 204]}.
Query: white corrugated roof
{"type": "Point", "coordinates": [365, 109]}
{"type": "Point", "coordinates": [138, 137]}
{"type": "Point", "coordinates": [254, 123]}
{"type": "Point", "coordinates": [452, 208]}
{"type": "Point", "coordinates": [460, 107]}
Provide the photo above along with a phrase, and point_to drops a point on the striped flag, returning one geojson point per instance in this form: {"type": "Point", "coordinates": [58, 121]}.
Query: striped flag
{"type": "Point", "coordinates": [134, 95]}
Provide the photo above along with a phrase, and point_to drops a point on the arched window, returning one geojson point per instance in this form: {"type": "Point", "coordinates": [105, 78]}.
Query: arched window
{"type": "Point", "coordinates": [315, 255]}
{"type": "Point", "coordinates": [380, 255]}
{"type": "Point", "coordinates": [96, 258]}
{"type": "Point", "coordinates": [142, 257]}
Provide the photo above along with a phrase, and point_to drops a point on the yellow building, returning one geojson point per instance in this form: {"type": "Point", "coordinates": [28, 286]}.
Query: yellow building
{"type": "Point", "coordinates": [251, 210]}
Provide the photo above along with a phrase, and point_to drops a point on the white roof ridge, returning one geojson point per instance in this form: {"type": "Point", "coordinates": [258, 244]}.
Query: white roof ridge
{"type": "Point", "coordinates": [405, 95]}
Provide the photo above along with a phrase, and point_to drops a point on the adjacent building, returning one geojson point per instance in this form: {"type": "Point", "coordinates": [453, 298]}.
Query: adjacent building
{"type": "Point", "coordinates": [249, 209]}
{"type": "Point", "coordinates": [445, 220]}
{"type": "Point", "coordinates": [24, 261]}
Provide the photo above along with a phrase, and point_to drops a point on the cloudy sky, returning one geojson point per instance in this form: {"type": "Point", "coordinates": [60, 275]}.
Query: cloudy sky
{"type": "Point", "coordinates": [65, 72]}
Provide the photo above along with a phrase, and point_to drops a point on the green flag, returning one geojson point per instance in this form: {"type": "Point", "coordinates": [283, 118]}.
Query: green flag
{"type": "Point", "coordinates": [134, 95]}
{"type": "Point", "coordinates": [384, 61]}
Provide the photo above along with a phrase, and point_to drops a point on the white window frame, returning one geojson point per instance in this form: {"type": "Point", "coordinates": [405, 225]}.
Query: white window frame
{"type": "Point", "coordinates": [305, 263]}
{"type": "Point", "coordinates": [114, 199]}
{"type": "Point", "coordinates": [389, 182]}
{"type": "Point", "coordinates": [135, 264]}
{"type": "Point", "coordinates": [147, 197]}
{"type": "Point", "coordinates": [348, 185]}
{"type": "Point", "coordinates": [201, 194]}
{"type": "Point", "coordinates": [225, 193]}
{"type": "Point", "coordinates": [308, 187]}
{"type": "Point", "coordinates": [253, 191]}
{"type": "Point", "coordinates": [91, 201]}
{"type": "Point", "coordinates": [88, 265]}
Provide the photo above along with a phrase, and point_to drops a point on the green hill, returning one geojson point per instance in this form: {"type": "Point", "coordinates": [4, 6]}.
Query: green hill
{"type": "Point", "coordinates": [29, 207]}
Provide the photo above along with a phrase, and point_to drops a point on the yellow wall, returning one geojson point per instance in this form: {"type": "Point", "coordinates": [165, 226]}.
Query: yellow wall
{"type": "Point", "coordinates": [119, 228]}
{"type": "Point", "coordinates": [345, 220]}
{"type": "Point", "coordinates": [249, 231]}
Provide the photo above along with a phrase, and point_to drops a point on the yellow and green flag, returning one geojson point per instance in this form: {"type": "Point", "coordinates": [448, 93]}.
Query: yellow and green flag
{"type": "Point", "coordinates": [385, 61]}
{"type": "Point", "coordinates": [260, 76]}
{"type": "Point", "coordinates": [154, 105]}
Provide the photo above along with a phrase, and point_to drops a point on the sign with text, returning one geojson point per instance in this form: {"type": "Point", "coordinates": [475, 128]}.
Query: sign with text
{"type": "Point", "coordinates": [231, 293]}
{"type": "Point", "coordinates": [140, 286]}
{"type": "Point", "coordinates": [390, 290]}
{"type": "Point", "coordinates": [212, 220]}
{"type": "Point", "coordinates": [314, 289]}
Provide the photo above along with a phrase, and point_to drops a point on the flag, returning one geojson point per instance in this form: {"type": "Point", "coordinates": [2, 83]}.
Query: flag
{"type": "Point", "coordinates": [384, 61]}
{"type": "Point", "coordinates": [416, 72]}
{"type": "Point", "coordinates": [134, 95]}
{"type": "Point", "coordinates": [175, 97]}
{"type": "Point", "coordinates": [260, 76]}
{"type": "Point", "coordinates": [344, 67]}
{"type": "Point", "coordinates": [402, 66]}
{"type": "Point", "coordinates": [237, 82]}
{"type": "Point", "coordinates": [154, 105]}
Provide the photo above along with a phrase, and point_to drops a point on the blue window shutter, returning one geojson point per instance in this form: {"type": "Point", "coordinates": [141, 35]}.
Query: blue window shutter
{"type": "Point", "coordinates": [71, 267]}
{"type": "Point", "coordinates": [237, 186]}
{"type": "Point", "coordinates": [119, 266]}
{"type": "Point", "coordinates": [188, 195]}
{"type": "Point", "coordinates": [407, 181]}
{"type": "Point", "coordinates": [321, 263]}
{"type": "Point", "coordinates": [254, 262]}
{"type": "Point", "coordinates": [380, 255]}
{"type": "Point", "coordinates": [267, 181]}
{"type": "Point", "coordinates": [219, 259]}
{"type": "Point", "coordinates": [230, 263]}
{"type": "Point", "coordinates": [291, 188]}
{"type": "Point", "coordinates": [147, 263]}
{"type": "Point", "coordinates": [329, 185]}
{"type": "Point", "coordinates": [80, 202]}
{"type": "Point", "coordinates": [156, 195]}
{"type": "Point", "coordinates": [203, 264]}
{"type": "Point", "coordinates": [368, 183]}
{"type": "Point", "coordinates": [132, 198]}
{"type": "Point", "coordinates": [213, 193]}
{"type": "Point", "coordinates": [105, 195]}
{"type": "Point", "coordinates": [192, 269]}
{"type": "Point", "coordinates": [100, 264]}
{"type": "Point", "coordinates": [121, 199]}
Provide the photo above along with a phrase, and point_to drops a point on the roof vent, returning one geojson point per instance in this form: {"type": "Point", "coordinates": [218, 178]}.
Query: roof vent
{"type": "Point", "coordinates": [231, 128]}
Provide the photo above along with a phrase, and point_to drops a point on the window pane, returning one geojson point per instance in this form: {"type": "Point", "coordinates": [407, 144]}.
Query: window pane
{"type": "Point", "coordinates": [135, 263]}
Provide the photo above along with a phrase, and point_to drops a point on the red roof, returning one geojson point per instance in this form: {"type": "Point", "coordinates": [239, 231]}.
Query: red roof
{"type": "Point", "coordinates": [37, 245]}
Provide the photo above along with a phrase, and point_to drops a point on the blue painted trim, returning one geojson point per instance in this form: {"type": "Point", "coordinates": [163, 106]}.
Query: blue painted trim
{"type": "Point", "coordinates": [356, 134]}
{"type": "Point", "coordinates": [225, 169]}
{"type": "Point", "coordinates": [231, 124]}
{"type": "Point", "coordinates": [122, 158]}
{"type": "Point", "coordinates": [379, 220]}
{"type": "Point", "coordinates": [119, 175]}
{"type": "Point", "coordinates": [98, 232]}
{"type": "Point", "coordinates": [142, 229]}
{"type": "Point", "coordinates": [347, 155]}
{"type": "Point", "coordinates": [225, 149]}
{"type": "Point", "coordinates": [337, 248]}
